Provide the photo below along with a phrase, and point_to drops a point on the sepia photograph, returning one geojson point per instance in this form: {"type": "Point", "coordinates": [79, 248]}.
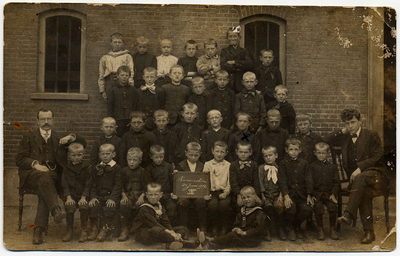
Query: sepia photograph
{"type": "Point", "coordinates": [178, 127]}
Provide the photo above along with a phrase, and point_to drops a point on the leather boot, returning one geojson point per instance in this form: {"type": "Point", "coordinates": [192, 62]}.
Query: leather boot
{"type": "Point", "coordinates": [368, 237]}
{"type": "Point", "coordinates": [124, 234]}
{"type": "Point", "coordinates": [70, 227]}
{"type": "Point", "coordinates": [68, 235]}
{"type": "Point", "coordinates": [333, 233]}
{"type": "Point", "coordinates": [321, 234]}
{"type": "Point", "coordinates": [37, 235]}
{"type": "Point", "coordinates": [101, 237]}
{"type": "Point", "coordinates": [93, 233]}
{"type": "Point", "coordinates": [282, 234]}
{"type": "Point", "coordinates": [347, 218]}
{"type": "Point", "coordinates": [84, 236]}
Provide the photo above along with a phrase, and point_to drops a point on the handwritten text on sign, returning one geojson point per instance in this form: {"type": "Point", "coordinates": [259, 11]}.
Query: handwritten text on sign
{"type": "Point", "coordinates": [191, 184]}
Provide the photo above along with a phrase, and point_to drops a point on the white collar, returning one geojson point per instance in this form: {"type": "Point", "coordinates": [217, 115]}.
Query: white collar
{"type": "Point", "coordinates": [217, 129]}
{"type": "Point", "coordinates": [192, 167]}
{"type": "Point", "coordinates": [358, 132]}
{"type": "Point", "coordinates": [43, 132]}
{"type": "Point", "coordinates": [111, 163]}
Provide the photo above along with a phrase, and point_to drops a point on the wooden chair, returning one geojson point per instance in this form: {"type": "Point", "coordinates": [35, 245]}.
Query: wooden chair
{"type": "Point", "coordinates": [344, 191]}
{"type": "Point", "coordinates": [22, 192]}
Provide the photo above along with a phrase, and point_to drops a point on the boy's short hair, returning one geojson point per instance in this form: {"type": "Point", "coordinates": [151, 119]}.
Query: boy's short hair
{"type": "Point", "coordinates": [222, 72]}
{"type": "Point", "coordinates": [212, 111]}
{"type": "Point", "coordinates": [281, 87]}
{"type": "Point", "coordinates": [165, 41]}
{"type": "Point", "coordinates": [220, 143]}
{"type": "Point", "coordinates": [156, 149]}
{"type": "Point", "coordinates": [248, 188]}
{"type": "Point", "coordinates": [270, 148]}
{"type": "Point", "coordinates": [303, 118]}
{"type": "Point", "coordinates": [191, 42]}
{"type": "Point", "coordinates": [190, 105]}
{"type": "Point", "coordinates": [197, 80]}
{"type": "Point", "coordinates": [154, 185]}
{"type": "Point", "coordinates": [150, 70]}
{"type": "Point", "coordinates": [348, 114]}
{"type": "Point", "coordinates": [141, 40]}
{"type": "Point", "coordinates": [241, 113]}
{"type": "Point", "coordinates": [293, 141]}
{"type": "Point", "coordinates": [124, 69]}
{"type": "Point", "coordinates": [211, 41]}
{"type": "Point", "coordinates": [193, 146]}
{"type": "Point", "coordinates": [135, 151]}
{"type": "Point", "coordinates": [176, 66]}
{"type": "Point", "coordinates": [160, 113]}
{"type": "Point", "coordinates": [247, 74]}
{"type": "Point", "coordinates": [244, 144]}
{"type": "Point", "coordinates": [117, 35]}
{"type": "Point", "coordinates": [138, 114]}
{"type": "Point", "coordinates": [322, 145]}
{"type": "Point", "coordinates": [106, 147]}
{"type": "Point", "coordinates": [273, 113]}
{"type": "Point", "coordinates": [44, 110]}
{"type": "Point", "coordinates": [76, 146]}
{"type": "Point", "coordinates": [234, 29]}
{"type": "Point", "coordinates": [108, 119]}
{"type": "Point", "coordinates": [266, 50]}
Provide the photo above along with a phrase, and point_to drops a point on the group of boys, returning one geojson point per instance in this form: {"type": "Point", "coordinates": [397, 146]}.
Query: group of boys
{"type": "Point", "coordinates": [272, 177]}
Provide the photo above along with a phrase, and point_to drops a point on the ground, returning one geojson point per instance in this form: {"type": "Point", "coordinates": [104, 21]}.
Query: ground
{"type": "Point", "coordinates": [349, 236]}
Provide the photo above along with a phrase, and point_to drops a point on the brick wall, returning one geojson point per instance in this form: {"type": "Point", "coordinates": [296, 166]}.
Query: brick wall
{"type": "Point", "coordinates": [323, 77]}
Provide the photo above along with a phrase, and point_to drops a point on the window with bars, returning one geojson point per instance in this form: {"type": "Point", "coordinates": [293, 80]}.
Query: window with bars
{"type": "Point", "coordinates": [61, 55]}
{"type": "Point", "coordinates": [63, 58]}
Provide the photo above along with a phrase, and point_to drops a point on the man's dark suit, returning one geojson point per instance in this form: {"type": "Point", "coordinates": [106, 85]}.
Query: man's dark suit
{"type": "Point", "coordinates": [372, 180]}
{"type": "Point", "coordinates": [31, 149]}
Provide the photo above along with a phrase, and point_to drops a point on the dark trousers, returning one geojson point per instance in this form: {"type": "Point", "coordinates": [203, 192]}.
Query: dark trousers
{"type": "Point", "coordinates": [201, 209]}
{"type": "Point", "coordinates": [44, 184]}
{"type": "Point", "coordinates": [170, 207]}
{"type": "Point", "coordinates": [298, 212]}
{"type": "Point", "coordinates": [101, 208]}
{"type": "Point", "coordinates": [232, 239]}
{"type": "Point", "coordinates": [157, 234]}
{"type": "Point", "coordinates": [218, 209]}
{"type": "Point", "coordinates": [84, 214]}
{"type": "Point", "coordinates": [365, 187]}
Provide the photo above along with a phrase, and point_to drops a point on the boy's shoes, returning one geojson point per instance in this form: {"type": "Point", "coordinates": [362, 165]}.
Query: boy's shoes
{"type": "Point", "coordinates": [333, 233]}
{"type": "Point", "coordinates": [321, 234]}
{"type": "Point", "coordinates": [368, 237]}
{"type": "Point", "coordinates": [124, 235]}
{"type": "Point", "coordinates": [37, 235]}
{"type": "Point", "coordinates": [93, 233]}
{"type": "Point", "coordinates": [310, 225]}
{"type": "Point", "coordinates": [101, 237]}
{"type": "Point", "coordinates": [68, 235]}
{"type": "Point", "coordinates": [282, 234]}
{"type": "Point", "coordinates": [56, 213]}
{"type": "Point", "coordinates": [175, 246]}
{"type": "Point", "coordinates": [291, 235]}
{"type": "Point", "coordinates": [267, 236]}
{"type": "Point", "coordinates": [83, 237]}
{"type": "Point", "coordinates": [347, 218]}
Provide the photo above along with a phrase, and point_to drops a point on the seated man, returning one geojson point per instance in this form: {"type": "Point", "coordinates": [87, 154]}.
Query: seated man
{"type": "Point", "coordinates": [41, 157]}
{"type": "Point", "coordinates": [361, 153]}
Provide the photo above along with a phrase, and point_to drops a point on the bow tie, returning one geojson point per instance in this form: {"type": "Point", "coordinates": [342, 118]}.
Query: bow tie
{"type": "Point", "coordinates": [272, 173]}
{"type": "Point", "coordinates": [244, 164]}
{"type": "Point", "coordinates": [353, 135]}
{"type": "Point", "coordinates": [151, 88]}
{"type": "Point", "coordinates": [101, 168]}
{"type": "Point", "coordinates": [246, 93]}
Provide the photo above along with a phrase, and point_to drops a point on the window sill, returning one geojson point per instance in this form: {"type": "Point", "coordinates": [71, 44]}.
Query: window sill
{"type": "Point", "coordinates": [59, 96]}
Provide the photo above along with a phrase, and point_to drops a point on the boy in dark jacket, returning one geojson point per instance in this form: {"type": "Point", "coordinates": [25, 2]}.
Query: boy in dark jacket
{"type": "Point", "coordinates": [105, 193]}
